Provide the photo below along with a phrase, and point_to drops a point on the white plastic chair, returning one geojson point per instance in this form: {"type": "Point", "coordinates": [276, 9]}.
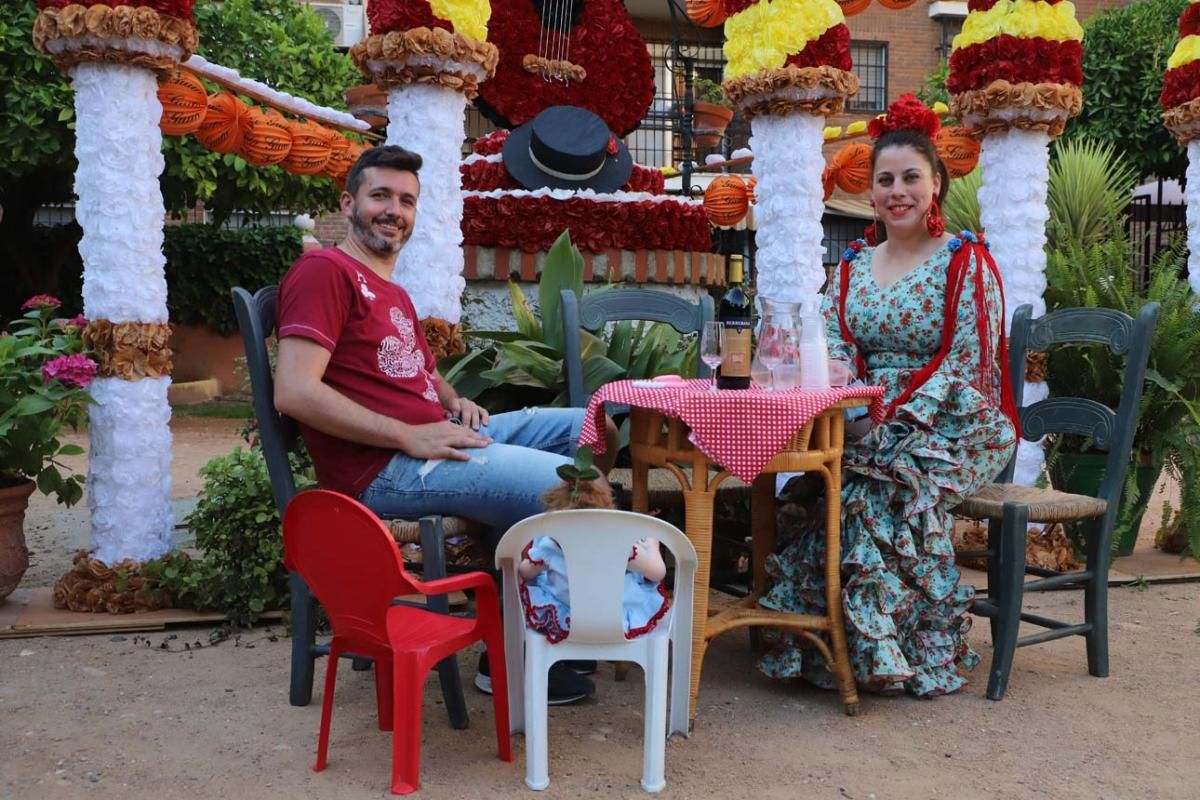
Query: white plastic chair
{"type": "Point", "coordinates": [596, 544]}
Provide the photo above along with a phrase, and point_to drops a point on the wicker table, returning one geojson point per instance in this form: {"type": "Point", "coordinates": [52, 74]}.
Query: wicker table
{"type": "Point", "coordinates": [657, 440]}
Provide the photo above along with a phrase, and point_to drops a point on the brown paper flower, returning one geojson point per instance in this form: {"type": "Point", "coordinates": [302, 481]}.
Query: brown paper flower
{"type": "Point", "coordinates": [113, 23]}
{"type": "Point", "coordinates": [130, 350]}
{"type": "Point", "coordinates": [765, 91]}
{"type": "Point", "coordinates": [998, 107]}
{"type": "Point", "coordinates": [95, 587]}
{"type": "Point", "coordinates": [383, 59]}
{"type": "Point", "coordinates": [1183, 121]}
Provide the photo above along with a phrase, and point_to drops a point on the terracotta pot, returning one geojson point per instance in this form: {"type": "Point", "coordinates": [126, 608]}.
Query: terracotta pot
{"type": "Point", "coordinates": [708, 123]}
{"type": "Point", "coordinates": [368, 103]}
{"type": "Point", "coordinates": [14, 558]}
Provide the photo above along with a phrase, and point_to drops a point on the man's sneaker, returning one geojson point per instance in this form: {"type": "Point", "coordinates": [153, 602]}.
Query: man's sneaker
{"type": "Point", "coordinates": [563, 685]}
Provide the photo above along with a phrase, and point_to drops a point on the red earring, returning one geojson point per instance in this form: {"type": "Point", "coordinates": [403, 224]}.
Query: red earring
{"type": "Point", "coordinates": [871, 233]}
{"type": "Point", "coordinates": [935, 223]}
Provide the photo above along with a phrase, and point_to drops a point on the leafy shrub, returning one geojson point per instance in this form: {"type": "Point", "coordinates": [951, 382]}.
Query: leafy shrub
{"type": "Point", "coordinates": [237, 526]}
{"type": "Point", "coordinates": [204, 262]}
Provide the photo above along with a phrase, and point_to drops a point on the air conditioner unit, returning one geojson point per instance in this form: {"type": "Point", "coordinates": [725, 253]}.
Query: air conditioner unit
{"type": "Point", "coordinates": [346, 24]}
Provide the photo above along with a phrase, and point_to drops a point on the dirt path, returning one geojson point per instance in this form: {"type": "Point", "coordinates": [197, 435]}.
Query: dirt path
{"type": "Point", "coordinates": [120, 717]}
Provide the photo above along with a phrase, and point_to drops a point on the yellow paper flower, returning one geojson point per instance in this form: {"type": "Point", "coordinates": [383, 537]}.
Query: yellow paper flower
{"type": "Point", "coordinates": [831, 133]}
{"type": "Point", "coordinates": [765, 34]}
{"type": "Point", "coordinates": [1186, 51]}
{"type": "Point", "coordinates": [469, 17]}
{"type": "Point", "coordinates": [1025, 19]}
{"type": "Point", "coordinates": [861, 125]}
{"type": "Point", "coordinates": [941, 109]}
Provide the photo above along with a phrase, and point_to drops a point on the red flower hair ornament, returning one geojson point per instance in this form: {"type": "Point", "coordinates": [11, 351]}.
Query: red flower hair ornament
{"type": "Point", "coordinates": [907, 113]}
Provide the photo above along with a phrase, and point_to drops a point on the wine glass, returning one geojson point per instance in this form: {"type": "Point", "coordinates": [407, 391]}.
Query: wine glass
{"type": "Point", "coordinates": [710, 349]}
{"type": "Point", "coordinates": [771, 343]}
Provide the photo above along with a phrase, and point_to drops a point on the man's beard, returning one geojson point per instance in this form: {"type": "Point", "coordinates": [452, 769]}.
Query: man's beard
{"type": "Point", "coordinates": [373, 241]}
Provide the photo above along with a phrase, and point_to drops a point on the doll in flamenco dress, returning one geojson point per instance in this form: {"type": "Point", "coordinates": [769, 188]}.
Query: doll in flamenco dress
{"type": "Point", "coordinates": [545, 590]}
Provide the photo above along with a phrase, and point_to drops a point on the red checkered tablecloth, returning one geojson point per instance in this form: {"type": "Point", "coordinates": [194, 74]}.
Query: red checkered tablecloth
{"type": "Point", "coordinates": [739, 429]}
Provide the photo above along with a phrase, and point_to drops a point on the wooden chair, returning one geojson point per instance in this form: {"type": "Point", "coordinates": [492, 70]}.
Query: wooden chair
{"type": "Point", "coordinates": [1010, 508]}
{"type": "Point", "coordinates": [280, 437]}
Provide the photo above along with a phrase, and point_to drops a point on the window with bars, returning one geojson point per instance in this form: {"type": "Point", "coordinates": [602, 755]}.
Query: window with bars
{"type": "Point", "coordinates": [839, 232]}
{"type": "Point", "coordinates": [870, 65]}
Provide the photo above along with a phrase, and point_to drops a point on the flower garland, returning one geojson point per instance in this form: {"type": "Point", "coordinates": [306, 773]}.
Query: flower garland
{"type": "Point", "coordinates": [139, 36]}
{"type": "Point", "coordinates": [764, 35]}
{"type": "Point", "coordinates": [1017, 64]}
{"type": "Point", "coordinates": [532, 221]}
{"type": "Point", "coordinates": [468, 17]}
{"type": "Point", "coordinates": [180, 9]}
{"type": "Point", "coordinates": [487, 173]}
{"type": "Point", "coordinates": [620, 83]}
{"type": "Point", "coordinates": [832, 48]}
{"type": "Point", "coordinates": [1180, 97]}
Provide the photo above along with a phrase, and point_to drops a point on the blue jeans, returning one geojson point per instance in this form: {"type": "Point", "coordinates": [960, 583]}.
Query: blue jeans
{"type": "Point", "coordinates": [501, 484]}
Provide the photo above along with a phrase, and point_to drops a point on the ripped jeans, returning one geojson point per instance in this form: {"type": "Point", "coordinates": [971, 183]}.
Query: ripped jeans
{"type": "Point", "coordinates": [499, 486]}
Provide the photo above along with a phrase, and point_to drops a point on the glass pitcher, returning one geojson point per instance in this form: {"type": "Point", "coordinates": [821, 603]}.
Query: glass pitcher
{"type": "Point", "coordinates": [777, 366]}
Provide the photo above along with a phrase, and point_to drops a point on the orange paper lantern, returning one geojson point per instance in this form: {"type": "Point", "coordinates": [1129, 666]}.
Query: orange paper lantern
{"type": "Point", "coordinates": [312, 144]}
{"type": "Point", "coordinates": [266, 138]}
{"type": "Point", "coordinates": [221, 130]}
{"type": "Point", "coordinates": [341, 159]}
{"type": "Point", "coordinates": [852, 7]}
{"type": "Point", "coordinates": [896, 5]}
{"type": "Point", "coordinates": [852, 168]}
{"type": "Point", "coordinates": [958, 149]}
{"type": "Point", "coordinates": [184, 103]}
{"type": "Point", "coordinates": [726, 200]}
{"type": "Point", "coordinates": [827, 183]}
{"type": "Point", "coordinates": [706, 13]}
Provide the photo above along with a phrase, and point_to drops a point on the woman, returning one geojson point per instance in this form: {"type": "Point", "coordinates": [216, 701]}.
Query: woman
{"type": "Point", "coordinates": [949, 429]}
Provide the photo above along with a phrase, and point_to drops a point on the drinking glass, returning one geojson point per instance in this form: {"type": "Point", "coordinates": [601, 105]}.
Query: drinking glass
{"type": "Point", "coordinates": [771, 343]}
{"type": "Point", "coordinates": [710, 349]}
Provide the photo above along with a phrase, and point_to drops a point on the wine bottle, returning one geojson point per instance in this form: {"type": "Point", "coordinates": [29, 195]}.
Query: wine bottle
{"type": "Point", "coordinates": [736, 334]}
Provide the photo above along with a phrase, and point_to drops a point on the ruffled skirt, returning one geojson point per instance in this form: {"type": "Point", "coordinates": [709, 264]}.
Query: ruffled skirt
{"type": "Point", "coordinates": [906, 611]}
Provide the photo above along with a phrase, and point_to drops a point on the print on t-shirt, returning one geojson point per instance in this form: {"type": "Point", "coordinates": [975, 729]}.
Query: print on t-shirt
{"type": "Point", "coordinates": [399, 356]}
{"type": "Point", "coordinates": [362, 285]}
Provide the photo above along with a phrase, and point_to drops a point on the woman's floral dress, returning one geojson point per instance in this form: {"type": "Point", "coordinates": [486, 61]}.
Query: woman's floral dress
{"type": "Point", "coordinates": [906, 612]}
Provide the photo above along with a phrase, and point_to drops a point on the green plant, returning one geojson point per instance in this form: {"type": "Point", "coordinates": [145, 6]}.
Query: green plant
{"type": "Point", "coordinates": [1124, 56]}
{"type": "Point", "coordinates": [237, 527]}
{"type": "Point", "coordinates": [933, 88]}
{"type": "Point", "coordinates": [1089, 186]}
{"type": "Point", "coordinates": [706, 91]}
{"type": "Point", "coordinates": [204, 261]}
{"type": "Point", "coordinates": [1168, 427]}
{"type": "Point", "coordinates": [525, 366]}
{"type": "Point", "coordinates": [44, 376]}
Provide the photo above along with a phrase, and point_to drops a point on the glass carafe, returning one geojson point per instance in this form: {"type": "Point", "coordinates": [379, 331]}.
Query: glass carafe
{"type": "Point", "coordinates": [780, 327]}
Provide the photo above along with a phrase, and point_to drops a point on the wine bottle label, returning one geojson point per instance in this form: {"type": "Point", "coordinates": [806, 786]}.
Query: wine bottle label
{"type": "Point", "coordinates": [736, 349]}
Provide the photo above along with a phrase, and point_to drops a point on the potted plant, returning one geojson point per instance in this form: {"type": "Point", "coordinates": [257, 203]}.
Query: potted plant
{"type": "Point", "coordinates": [44, 375]}
{"type": "Point", "coordinates": [711, 112]}
{"type": "Point", "coordinates": [1168, 423]}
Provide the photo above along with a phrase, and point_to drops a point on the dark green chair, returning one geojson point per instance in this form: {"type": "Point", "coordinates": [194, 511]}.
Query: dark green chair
{"type": "Point", "coordinates": [614, 305]}
{"type": "Point", "coordinates": [1010, 508]}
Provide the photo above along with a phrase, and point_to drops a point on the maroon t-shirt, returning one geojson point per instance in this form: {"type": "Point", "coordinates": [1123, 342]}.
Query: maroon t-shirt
{"type": "Point", "coordinates": [379, 359]}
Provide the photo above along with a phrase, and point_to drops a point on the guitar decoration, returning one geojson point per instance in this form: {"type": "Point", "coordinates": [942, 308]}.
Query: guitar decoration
{"type": "Point", "coordinates": [567, 52]}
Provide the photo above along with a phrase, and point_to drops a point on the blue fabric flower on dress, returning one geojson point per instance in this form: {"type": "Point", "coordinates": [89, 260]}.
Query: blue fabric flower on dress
{"type": "Point", "coordinates": [954, 244]}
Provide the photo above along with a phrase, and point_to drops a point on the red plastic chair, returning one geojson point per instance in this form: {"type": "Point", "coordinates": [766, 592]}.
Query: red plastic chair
{"type": "Point", "coordinates": [350, 561]}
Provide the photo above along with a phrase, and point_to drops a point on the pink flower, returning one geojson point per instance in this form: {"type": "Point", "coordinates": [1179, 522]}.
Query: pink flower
{"type": "Point", "coordinates": [73, 370]}
{"type": "Point", "coordinates": [41, 301]}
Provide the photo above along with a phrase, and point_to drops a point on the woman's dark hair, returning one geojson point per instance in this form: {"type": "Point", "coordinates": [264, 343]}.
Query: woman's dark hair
{"type": "Point", "coordinates": [907, 137]}
{"type": "Point", "coordinates": [388, 156]}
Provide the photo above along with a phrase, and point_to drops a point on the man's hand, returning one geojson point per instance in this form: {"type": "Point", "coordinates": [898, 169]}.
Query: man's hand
{"type": "Point", "coordinates": [470, 413]}
{"type": "Point", "coordinates": [440, 440]}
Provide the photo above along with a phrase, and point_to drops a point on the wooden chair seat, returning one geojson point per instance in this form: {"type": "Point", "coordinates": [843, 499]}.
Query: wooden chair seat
{"type": "Point", "coordinates": [1045, 505]}
{"type": "Point", "coordinates": [409, 531]}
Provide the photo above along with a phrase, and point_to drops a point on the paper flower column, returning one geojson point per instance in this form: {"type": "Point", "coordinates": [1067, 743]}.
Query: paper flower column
{"type": "Point", "coordinates": [788, 66]}
{"type": "Point", "coordinates": [115, 57]}
{"type": "Point", "coordinates": [431, 58]}
{"type": "Point", "coordinates": [1015, 73]}
{"type": "Point", "coordinates": [1180, 100]}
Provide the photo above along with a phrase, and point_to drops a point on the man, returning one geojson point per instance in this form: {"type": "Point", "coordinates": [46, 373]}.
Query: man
{"type": "Point", "coordinates": [354, 370]}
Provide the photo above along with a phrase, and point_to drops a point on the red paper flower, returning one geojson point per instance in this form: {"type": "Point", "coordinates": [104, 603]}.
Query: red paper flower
{"type": "Point", "coordinates": [907, 113]}
{"type": "Point", "coordinates": [1016, 60]}
{"type": "Point", "coordinates": [386, 16]}
{"type": "Point", "coordinates": [491, 144]}
{"type": "Point", "coordinates": [487, 176]}
{"type": "Point", "coordinates": [172, 8]}
{"type": "Point", "coordinates": [1180, 85]}
{"type": "Point", "coordinates": [831, 48]}
{"type": "Point", "coordinates": [1189, 21]}
{"type": "Point", "coordinates": [532, 224]}
{"type": "Point", "coordinates": [620, 80]}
